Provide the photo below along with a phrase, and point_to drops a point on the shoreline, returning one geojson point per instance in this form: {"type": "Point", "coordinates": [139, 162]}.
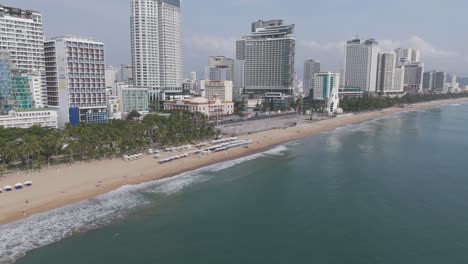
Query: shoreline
{"type": "Point", "coordinates": [56, 187]}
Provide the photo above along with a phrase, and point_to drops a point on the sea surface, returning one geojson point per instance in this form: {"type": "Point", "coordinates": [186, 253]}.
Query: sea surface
{"type": "Point", "coordinates": [393, 190]}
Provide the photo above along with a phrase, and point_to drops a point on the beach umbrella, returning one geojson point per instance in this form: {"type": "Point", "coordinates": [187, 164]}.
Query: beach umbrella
{"type": "Point", "coordinates": [7, 188]}
{"type": "Point", "coordinates": [18, 186]}
{"type": "Point", "coordinates": [28, 183]}
{"type": "Point", "coordinates": [0, 190]}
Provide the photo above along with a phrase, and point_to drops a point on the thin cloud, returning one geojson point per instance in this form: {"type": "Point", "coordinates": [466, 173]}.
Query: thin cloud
{"type": "Point", "coordinates": [206, 45]}
{"type": "Point", "coordinates": [427, 49]}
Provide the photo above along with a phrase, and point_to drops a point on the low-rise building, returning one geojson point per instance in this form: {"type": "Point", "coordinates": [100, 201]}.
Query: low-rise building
{"type": "Point", "coordinates": [350, 93]}
{"type": "Point", "coordinates": [210, 108]}
{"type": "Point", "coordinates": [253, 103]}
{"type": "Point", "coordinates": [133, 98]}
{"type": "Point", "coordinates": [28, 118]}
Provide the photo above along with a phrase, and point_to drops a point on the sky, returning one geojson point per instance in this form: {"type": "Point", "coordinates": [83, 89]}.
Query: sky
{"type": "Point", "coordinates": [211, 27]}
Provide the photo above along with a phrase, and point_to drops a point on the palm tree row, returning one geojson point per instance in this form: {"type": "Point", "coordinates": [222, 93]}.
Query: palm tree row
{"type": "Point", "coordinates": [35, 147]}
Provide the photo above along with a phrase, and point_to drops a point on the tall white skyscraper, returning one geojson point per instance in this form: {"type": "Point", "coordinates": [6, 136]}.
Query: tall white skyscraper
{"type": "Point", "coordinates": [407, 56]}
{"type": "Point", "coordinates": [112, 74]}
{"type": "Point", "coordinates": [311, 67]}
{"type": "Point", "coordinates": [126, 73]}
{"type": "Point", "coordinates": [414, 77]}
{"type": "Point", "coordinates": [22, 36]}
{"type": "Point", "coordinates": [157, 48]}
{"type": "Point", "coordinates": [390, 76]}
{"type": "Point", "coordinates": [269, 54]}
{"type": "Point", "coordinates": [76, 80]}
{"type": "Point", "coordinates": [360, 65]}
{"type": "Point", "coordinates": [220, 68]}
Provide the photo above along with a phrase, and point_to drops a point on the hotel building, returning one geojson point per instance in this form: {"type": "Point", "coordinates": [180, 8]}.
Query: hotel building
{"type": "Point", "coordinates": [76, 85]}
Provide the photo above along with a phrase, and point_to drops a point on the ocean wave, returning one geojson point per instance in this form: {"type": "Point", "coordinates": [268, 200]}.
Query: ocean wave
{"type": "Point", "coordinates": [40, 230]}
{"type": "Point", "coordinates": [278, 151]}
{"type": "Point", "coordinates": [43, 229]}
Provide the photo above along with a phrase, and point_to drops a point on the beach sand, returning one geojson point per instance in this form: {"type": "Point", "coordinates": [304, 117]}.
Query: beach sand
{"type": "Point", "coordinates": [55, 187]}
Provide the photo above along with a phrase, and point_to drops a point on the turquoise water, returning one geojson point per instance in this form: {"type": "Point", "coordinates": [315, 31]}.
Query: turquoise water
{"type": "Point", "coordinates": [389, 191]}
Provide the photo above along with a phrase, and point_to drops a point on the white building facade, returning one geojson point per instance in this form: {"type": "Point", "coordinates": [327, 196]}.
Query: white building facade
{"type": "Point", "coordinates": [133, 98]}
{"type": "Point", "coordinates": [157, 45]}
{"type": "Point", "coordinates": [210, 108]}
{"type": "Point", "coordinates": [311, 67]}
{"type": "Point", "coordinates": [390, 76]}
{"type": "Point", "coordinates": [112, 75]}
{"type": "Point", "coordinates": [76, 80]}
{"type": "Point", "coordinates": [22, 35]}
{"type": "Point", "coordinates": [218, 90]}
{"type": "Point", "coordinates": [269, 55]}
{"type": "Point", "coordinates": [406, 55]}
{"type": "Point", "coordinates": [360, 65]}
{"type": "Point", "coordinates": [220, 68]}
{"type": "Point", "coordinates": [413, 82]}
{"type": "Point", "coordinates": [26, 119]}
{"type": "Point", "coordinates": [325, 84]}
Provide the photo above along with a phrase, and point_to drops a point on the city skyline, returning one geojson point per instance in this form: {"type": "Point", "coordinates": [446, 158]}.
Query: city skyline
{"type": "Point", "coordinates": [203, 38]}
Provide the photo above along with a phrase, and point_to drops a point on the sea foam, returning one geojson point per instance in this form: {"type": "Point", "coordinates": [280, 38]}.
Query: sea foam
{"type": "Point", "coordinates": [40, 230]}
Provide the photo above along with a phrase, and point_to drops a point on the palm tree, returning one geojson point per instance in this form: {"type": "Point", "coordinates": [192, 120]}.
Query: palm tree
{"type": "Point", "coordinates": [51, 144]}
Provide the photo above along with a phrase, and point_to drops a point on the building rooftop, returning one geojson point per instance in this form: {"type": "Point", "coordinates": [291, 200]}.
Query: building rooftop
{"type": "Point", "coordinates": [17, 12]}
{"type": "Point", "coordinates": [32, 110]}
{"type": "Point", "coordinates": [76, 39]}
{"type": "Point", "coordinates": [175, 3]}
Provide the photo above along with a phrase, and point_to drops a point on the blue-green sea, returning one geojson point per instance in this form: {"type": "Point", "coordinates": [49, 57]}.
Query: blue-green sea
{"type": "Point", "coordinates": [393, 190]}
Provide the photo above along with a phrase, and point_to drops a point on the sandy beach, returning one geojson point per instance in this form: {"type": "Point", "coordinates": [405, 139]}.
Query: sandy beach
{"type": "Point", "coordinates": [55, 187]}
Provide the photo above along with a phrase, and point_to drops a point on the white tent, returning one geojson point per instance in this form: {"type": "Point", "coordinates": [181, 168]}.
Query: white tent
{"type": "Point", "coordinates": [7, 188]}
{"type": "Point", "coordinates": [19, 186]}
{"type": "Point", "coordinates": [28, 183]}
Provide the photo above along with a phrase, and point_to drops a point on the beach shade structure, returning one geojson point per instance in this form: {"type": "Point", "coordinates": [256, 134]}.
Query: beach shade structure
{"type": "Point", "coordinates": [1, 190]}
{"type": "Point", "coordinates": [28, 183]}
{"type": "Point", "coordinates": [8, 188]}
{"type": "Point", "coordinates": [18, 186]}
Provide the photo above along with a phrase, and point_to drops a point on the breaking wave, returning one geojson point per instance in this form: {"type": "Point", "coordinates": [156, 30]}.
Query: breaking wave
{"type": "Point", "coordinates": [40, 230]}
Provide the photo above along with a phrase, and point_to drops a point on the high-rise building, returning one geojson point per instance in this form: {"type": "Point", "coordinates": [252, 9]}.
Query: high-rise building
{"type": "Point", "coordinates": [76, 80]}
{"type": "Point", "coordinates": [126, 73]}
{"type": "Point", "coordinates": [112, 74]}
{"type": "Point", "coordinates": [389, 76]}
{"type": "Point", "coordinates": [325, 83]}
{"type": "Point", "coordinates": [311, 67]}
{"type": "Point", "coordinates": [221, 90]}
{"type": "Point", "coordinates": [156, 40]}
{"type": "Point", "coordinates": [21, 89]}
{"type": "Point", "coordinates": [360, 65]}
{"type": "Point", "coordinates": [132, 98]}
{"type": "Point", "coordinates": [36, 81]}
{"type": "Point", "coordinates": [407, 56]}
{"type": "Point", "coordinates": [435, 81]}
{"type": "Point", "coordinates": [6, 96]}
{"type": "Point", "coordinates": [193, 76]}
{"type": "Point", "coordinates": [239, 80]}
{"type": "Point", "coordinates": [218, 73]}
{"type": "Point", "coordinates": [413, 82]}
{"type": "Point", "coordinates": [22, 36]}
{"type": "Point", "coordinates": [269, 53]}
{"type": "Point", "coordinates": [220, 68]}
